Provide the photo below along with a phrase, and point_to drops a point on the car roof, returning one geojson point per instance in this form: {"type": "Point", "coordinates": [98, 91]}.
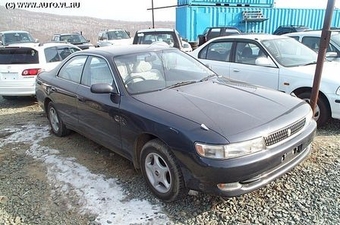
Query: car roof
{"type": "Point", "coordinates": [252, 37]}
{"type": "Point", "coordinates": [310, 32]}
{"type": "Point", "coordinates": [124, 50]}
{"type": "Point", "coordinates": [74, 33]}
{"type": "Point", "coordinates": [38, 46]}
{"type": "Point", "coordinates": [313, 32]}
{"type": "Point", "coordinates": [156, 30]}
{"type": "Point", "coordinates": [13, 31]}
{"type": "Point", "coordinates": [112, 29]}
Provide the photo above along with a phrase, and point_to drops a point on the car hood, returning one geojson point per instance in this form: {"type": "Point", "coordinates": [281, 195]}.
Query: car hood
{"type": "Point", "coordinates": [228, 108]}
{"type": "Point", "coordinates": [328, 71]}
{"type": "Point", "coordinates": [127, 41]}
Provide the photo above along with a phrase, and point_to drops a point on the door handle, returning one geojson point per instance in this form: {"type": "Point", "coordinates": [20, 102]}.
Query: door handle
{"type": "Point", "coordinates": [80, 98]}
{"type": "Point", "coordinates": [236, 70]}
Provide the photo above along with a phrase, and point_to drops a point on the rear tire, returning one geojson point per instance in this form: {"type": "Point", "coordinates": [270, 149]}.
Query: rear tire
{"type": "Point", "coordinates": [322, 112]}
{"type": "Point", "coordinates": [161, 171]}
{"type": "Point", "coordinates": [57, 125]}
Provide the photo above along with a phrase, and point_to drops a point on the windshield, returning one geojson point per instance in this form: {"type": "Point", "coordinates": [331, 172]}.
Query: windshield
{"type": "Point", "coordinates": [336, 38]}
{"type": "Point", "coordinates": [17, 37]}
{"type": "Point", "coordinates": [158, 70]}
{"type": "Point", "coordinates": [289, 52]}
{"type": "Point", "coordinates": [73, 38]}
{"type": "Point", "coordinates": [116, 35]}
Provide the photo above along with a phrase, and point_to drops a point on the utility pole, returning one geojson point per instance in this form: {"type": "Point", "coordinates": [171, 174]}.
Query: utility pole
{"type": "Point", "coordinates": [324, 42]}
{"type": "Point", "coordinates": [153, 15]}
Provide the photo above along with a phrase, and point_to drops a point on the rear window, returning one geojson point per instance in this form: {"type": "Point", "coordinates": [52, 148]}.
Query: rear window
{"type": "Point", "coordinates": [18, 56]}
{"type": "Point", "coordinates": [150, 37]}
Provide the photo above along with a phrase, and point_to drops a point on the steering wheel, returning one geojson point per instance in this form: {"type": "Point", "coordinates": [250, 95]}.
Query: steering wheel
{"type": "Point", "coordinates": [131, 78]}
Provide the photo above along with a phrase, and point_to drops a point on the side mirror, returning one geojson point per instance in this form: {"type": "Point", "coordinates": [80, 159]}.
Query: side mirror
{"type": "Point", "coordinates": [331, 54]}
{"type": "Point", "coordinates": [103, 88]}
{"type": "Point", "coordinates": [264, 61]}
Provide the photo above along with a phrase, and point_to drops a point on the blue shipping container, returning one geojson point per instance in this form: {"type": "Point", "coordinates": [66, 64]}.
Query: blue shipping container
{"type": "Point", "coordinates": [247, 3]}
{"type": "Point", "coordinates": [192, 20]}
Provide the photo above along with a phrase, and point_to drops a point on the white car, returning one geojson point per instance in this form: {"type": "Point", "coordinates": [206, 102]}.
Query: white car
{"type": "Point", "coordinates": [20, 64]}
{"type": "Point", "coordinates": [312, 40]}
{"type": "Point", "coordinates": [186, 46]}
{"type": "Point", "coordinates": [115, 37]}
{"type": "Point", "coordinates": [277, 62]}
{"type": "Point", "coordinates": [10, 37]}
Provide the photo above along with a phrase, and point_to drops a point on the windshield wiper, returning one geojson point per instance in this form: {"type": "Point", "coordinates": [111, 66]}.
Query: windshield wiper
{"type": "Point", "coordinates": [207, 77]}
{"type": "Point", "coordinates": [311, 63]}
{"type": "Point", "coordinates": [181, 84]}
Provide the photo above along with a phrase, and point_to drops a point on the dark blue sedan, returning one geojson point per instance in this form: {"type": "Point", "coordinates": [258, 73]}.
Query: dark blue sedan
{"type": "Point", "coordinates": [182, 125]}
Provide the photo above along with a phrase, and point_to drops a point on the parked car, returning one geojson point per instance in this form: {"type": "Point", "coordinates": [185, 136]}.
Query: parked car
{"type": "Point", "coordinates": [312, 40]}
{"type": "Point", "coordinates": [73, 38]}
{"type": "Point", "coordinates": [15, 37]}
{"type": "Point", "coordinates": [186, 47]}
{"type": "Point", "coordinates": [212, 32]}
{"type": "Point", "coordinates": [166, 35]}
{"type": "Point", "coordinates": [277, 62]}
{"type": "Point", "coordinates": [153, 105]}
{"type": "Point", "coordinates": [290, 29]}
{"type": "Point", "coordinates": [116, 36]}
{"type": "Point", "coordinates": [20, 64]}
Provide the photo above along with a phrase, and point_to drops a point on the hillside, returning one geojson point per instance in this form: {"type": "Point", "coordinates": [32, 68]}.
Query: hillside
{"type": "Point", "coordinates": [43, 25]}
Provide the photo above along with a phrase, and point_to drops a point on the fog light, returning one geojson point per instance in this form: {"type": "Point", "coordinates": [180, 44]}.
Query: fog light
{"type": "Point", "coordinates": [229, 186]}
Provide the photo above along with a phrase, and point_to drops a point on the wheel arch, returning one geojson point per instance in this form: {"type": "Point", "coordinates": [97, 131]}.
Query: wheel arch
{"type": "Point", "coordinates": [46, 102]}
{"type": "Point", "coordinates": [139, 143]}
{"type": "Point", "coordinates": [301, 90]}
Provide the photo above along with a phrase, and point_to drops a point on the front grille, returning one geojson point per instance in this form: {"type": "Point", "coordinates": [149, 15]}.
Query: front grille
{"type": "Point", "coordinates": [284, 133]}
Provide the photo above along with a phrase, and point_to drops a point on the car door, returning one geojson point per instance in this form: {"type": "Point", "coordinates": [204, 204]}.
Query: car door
{"type": "Point", "coordinates": [98, 114]}
{"type": "Point", "coordinates": [216, 56]}
{"type": "Point", "coordinates": [64, 93]}
{"type": "Point", "coordinates": [247, 65]}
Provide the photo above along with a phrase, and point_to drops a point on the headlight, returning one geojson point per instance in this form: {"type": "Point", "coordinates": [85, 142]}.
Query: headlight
{"type": "Point", "coordinates": [309, 116]}
{"type": "Point", "coordinates": [231, 150]}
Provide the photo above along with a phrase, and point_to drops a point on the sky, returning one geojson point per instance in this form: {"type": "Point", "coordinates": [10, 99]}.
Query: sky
{"type": "Point", "coordinates": [137, 10]}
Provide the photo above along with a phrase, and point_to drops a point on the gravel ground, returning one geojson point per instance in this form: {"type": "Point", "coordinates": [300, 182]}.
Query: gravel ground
{"type": "Point", "coordinates": [310, 194]}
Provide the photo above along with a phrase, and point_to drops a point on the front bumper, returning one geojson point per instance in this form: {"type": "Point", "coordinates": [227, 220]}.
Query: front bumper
{"type": "Point", "coordinates": [242, 175]}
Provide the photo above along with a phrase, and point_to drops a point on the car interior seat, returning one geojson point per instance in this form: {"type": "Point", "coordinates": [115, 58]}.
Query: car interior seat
{"type": "Point", "coordinates": [247, 52]}
{"type": "Point", "coordinates": [144, 69]}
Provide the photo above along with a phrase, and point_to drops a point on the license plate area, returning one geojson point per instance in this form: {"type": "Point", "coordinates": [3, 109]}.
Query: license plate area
{"type": "Point", "coordinates": [291, 154]}
{"type": "Point", "coordinates": [9, 76]}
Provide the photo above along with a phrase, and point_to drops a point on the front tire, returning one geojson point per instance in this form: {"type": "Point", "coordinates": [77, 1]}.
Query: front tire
{"type": "Point", "coordinates": [161, 171]}
{"type": "Point", "coordinates": [57, 125]}
{"type": "Point", "coordinates": [322, 112]}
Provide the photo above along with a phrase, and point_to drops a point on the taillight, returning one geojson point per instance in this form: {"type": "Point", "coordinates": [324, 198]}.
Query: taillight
{"type": "Point", "coordinates": [30, 72]}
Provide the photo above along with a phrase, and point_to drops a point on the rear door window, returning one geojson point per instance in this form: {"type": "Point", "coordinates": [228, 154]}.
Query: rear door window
{"type": "Point", "coordinates": [19, 56]}
{"type": "Point", "coordinates": [56, 54]}
{"type": "Point", "coordinates": [217, 51]}
{"type": "Point", "coordinates": [73, 69]}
